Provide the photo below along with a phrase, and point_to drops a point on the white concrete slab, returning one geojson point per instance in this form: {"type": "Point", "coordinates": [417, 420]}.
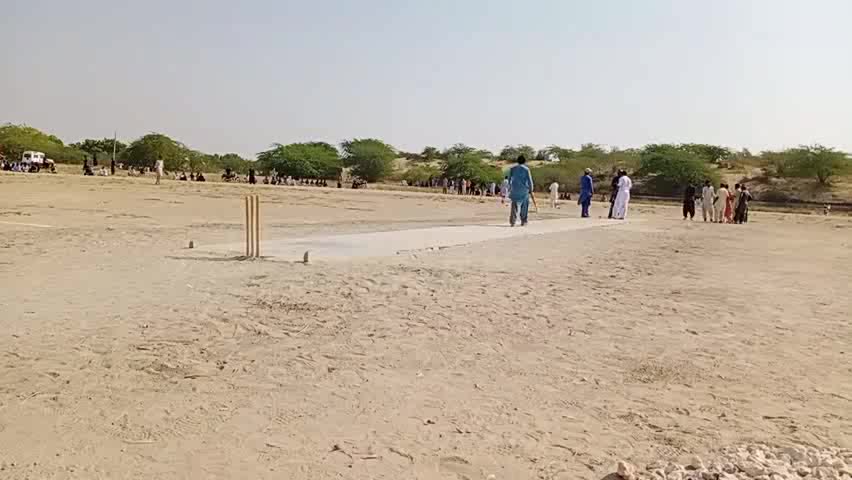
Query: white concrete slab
{"type": "Point", "coordinates": [389, 243]}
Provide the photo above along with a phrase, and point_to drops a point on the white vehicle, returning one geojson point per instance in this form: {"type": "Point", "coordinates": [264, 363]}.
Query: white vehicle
{"type": "Point", "coordinates": [33, 157]}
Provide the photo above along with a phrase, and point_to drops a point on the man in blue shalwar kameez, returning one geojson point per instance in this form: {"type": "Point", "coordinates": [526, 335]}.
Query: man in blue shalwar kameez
{"type": "Point", "coordinates": [587, 189]}
{"type": "Point", "coordinates": [520, 188]}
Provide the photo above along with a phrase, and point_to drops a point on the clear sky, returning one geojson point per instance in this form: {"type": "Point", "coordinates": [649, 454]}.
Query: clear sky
{"type": "Point", "coordinates": [229, 76]}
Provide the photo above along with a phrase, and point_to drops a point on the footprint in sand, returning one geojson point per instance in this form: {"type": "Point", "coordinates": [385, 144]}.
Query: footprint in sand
{"type": "Point", "coordinates": [460, 467]}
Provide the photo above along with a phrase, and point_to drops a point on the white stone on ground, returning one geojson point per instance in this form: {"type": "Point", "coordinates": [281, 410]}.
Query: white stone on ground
{"type": "Point", "coordinates": [753, 462]}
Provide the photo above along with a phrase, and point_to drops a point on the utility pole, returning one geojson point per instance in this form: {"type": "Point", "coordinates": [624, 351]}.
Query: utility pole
{"type": "Point", "coordinates": [114, 141]}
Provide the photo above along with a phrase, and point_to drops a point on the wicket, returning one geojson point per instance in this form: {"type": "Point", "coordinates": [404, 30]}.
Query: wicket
{"type": "Point", "coordinates": [252, 226]}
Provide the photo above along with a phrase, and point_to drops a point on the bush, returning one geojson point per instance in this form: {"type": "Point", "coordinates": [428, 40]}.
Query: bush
{"type": "Point", "coordinates": [669, 168]}
{"type": "Point", "coordinates": [370, 159]}
{"type": "Point", "coordinates": [471, 166]}
{"type": "Point", "coordinates": [566, 173]}
{"type": "Point", "coordinates": [16, 139]}
{"type": "Point", "coordinates": [420, 173]}
{"type": "Point", "coordinates": [817, 162]}
{"type": "Point", "coordinates": [302, 160]}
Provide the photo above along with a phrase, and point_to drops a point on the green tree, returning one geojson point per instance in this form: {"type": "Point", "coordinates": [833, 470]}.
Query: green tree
{"type": "Point", "coordinates": [457, 150]}
{"type": "Point", "coordinates": [421, 173]}
{"type": "Point", "coordinates": [471, 166]}
{"type": "Point", "coordinates": [230, 161]}
{"type": "Point", "coordinates": [302, 160]}
{"type": "Point", "coordinates": [669, 168]}
{"type": "Point", "coordinates": [510, 153]}
{"type": "Point", "coordinates": [107, 147]}
{"type": "Point", "coordinates": [16, 139]}
{"type": "Point", "coordinates": [145, 151]}
{"type": "Point", "coordinates": [430, 154]}
{"type": "Point", "coordinates": [708, 153]}
{"type": "Point", "coordinates": [100, 149]}
{"type": "Point", "coordinates": [370, 159]}
{"type": "Point", "coordinates": [195, 161]}
{"type": "Point", "coordinates": [558, 153]}
{"type": "Point", "coordinates": [91, 147]}
{"type": "Point", "coordinates": [816, 161]}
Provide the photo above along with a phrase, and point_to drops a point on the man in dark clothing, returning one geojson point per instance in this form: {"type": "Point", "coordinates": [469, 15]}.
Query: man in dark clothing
{"type": "Point", "coordinates": [614, 187]}
{"type": "Point", "coordinates": [689, 202]}
{"type": "Point", "coordinates": [251, 178]}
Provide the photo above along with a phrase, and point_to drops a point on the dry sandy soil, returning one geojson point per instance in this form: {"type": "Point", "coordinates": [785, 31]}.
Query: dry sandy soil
{"type": "Point", "coordinates": [127, 355]}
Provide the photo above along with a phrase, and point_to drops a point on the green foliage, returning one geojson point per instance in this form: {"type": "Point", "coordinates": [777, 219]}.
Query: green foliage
{"type": "Point", "coordinates": [302, 160]}
{"type": "Point", "coordinates": [572, 163]}
{"type": "Point", "coordinates": [510, 153]}
{"type": "Point", "coordinates": [16, 139]}
{"type": "Point", "coordinates": [145, 151]}
{"type": "Point", "coordinates": [430, 154]}
{"type": "Point", "coordinates": [369, 159]}
{"type": "Point", "coordinates": [670, 168]}
{"type": "Point", "coordinates": [708, 153]}
{"type": "Point", "coordinates": [471, 166]}
{"type": "Point", "coordinates": [456, 150]}
{"type": "Point", "coordinates": [100, 149]}
{"type": "Point", "coordinates": [566, 173]}
{"type": "Point", "coordinates": [232, 161]}
{"type": "Point", "coordinates": [815, 161]}
{"type": "Point", "coordinates": [421, 173]}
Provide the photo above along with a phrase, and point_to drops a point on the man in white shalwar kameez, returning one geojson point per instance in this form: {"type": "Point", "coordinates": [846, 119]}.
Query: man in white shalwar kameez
{"type": "Point", "coordinates": [554, 195]}
{"type": "Point", "coordinates": [708, 195]}
{"type": "Point", "coordinates": [622, 200]}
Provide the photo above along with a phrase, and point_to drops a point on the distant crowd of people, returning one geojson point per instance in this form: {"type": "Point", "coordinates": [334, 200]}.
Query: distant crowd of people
{"type": "Point", "coordinates": [720, 206]}
{"type": "Point", "coordinates": [25, 167]}
{"type": "Point", "coordinates": [193, 177]}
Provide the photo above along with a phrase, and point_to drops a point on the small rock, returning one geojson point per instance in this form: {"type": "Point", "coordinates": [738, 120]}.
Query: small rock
{"type": "Point", "coordinates": [695, 464]}
{"type": "Point", "coordinates": [626, 471]}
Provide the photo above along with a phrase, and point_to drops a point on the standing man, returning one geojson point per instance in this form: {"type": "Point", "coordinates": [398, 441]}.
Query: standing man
{"type": "Point", "coordinates": [622, 200]}
{"type": "Point", "coordinates": [614, 191]}
{"type": "Point", "coordinates": [707, 197]}
{"type": "Point", "coordinates": [689, 202]}
{"type": "Point", "coordinates": [504, 190]}
{"type": "Point", "coordinates": [721, 201]}
{"type": "Point", "coordinates": [554, 194]}
{"type": "Point", "coordinates": [444, 184]}
{"type": "Point", "coordinates": [520, 188]}
{"type": "Point", "coordinates": [587, 189]}
{"type": "Point", "coordinates": [159, 166]}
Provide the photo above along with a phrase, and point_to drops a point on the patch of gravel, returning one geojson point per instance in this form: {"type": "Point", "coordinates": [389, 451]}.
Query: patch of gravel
{"type": "Point", "coordinates": [752, 462]}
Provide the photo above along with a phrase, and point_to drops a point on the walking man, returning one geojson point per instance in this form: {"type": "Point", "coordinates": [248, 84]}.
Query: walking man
{"type": "Point", "coordinates": [554, 194]}
{"type": "Point", "coordinates": [613, 192]}
{"type": "Point", "coordinates": [520, 188]}
{"type": "Point", "coordinates": [707, 197]}
{"type": "Point", "coordinates": [622, 200]}
{"type": "Point", "coordinates": [159, 166]}
{"type": "Point", "coordinates": [721, 201]}
{"type": "Point", "coordinates": [504, 190]}
{"type": "Point", "coordinates": [689, 202]}
{"type": "Point", "coordinates": [587, 189]}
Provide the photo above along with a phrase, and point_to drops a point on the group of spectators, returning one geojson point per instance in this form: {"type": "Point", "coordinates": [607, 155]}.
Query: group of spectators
{"type": "Point", "coordinates": [24, 167]}
{"type": "Point", "coordinates": [193, 177]}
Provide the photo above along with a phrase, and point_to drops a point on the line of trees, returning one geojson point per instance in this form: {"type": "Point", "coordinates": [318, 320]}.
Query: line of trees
{"type": "Point", "coordinates": [662, 168]}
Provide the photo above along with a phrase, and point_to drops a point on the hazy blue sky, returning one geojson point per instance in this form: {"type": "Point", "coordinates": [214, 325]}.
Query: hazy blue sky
{"type": "Point", "coordinates": [235, 76]}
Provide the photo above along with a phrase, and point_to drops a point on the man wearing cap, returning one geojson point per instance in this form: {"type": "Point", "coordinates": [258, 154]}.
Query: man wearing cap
{"type": "Point", "coordinates": [520, 188]}
{"type": "Point", "coordinates": [587, 189]}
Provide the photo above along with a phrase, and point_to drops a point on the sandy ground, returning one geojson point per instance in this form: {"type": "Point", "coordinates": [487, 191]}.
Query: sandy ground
{"type": "Point", "coordinates": [127, 355]}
